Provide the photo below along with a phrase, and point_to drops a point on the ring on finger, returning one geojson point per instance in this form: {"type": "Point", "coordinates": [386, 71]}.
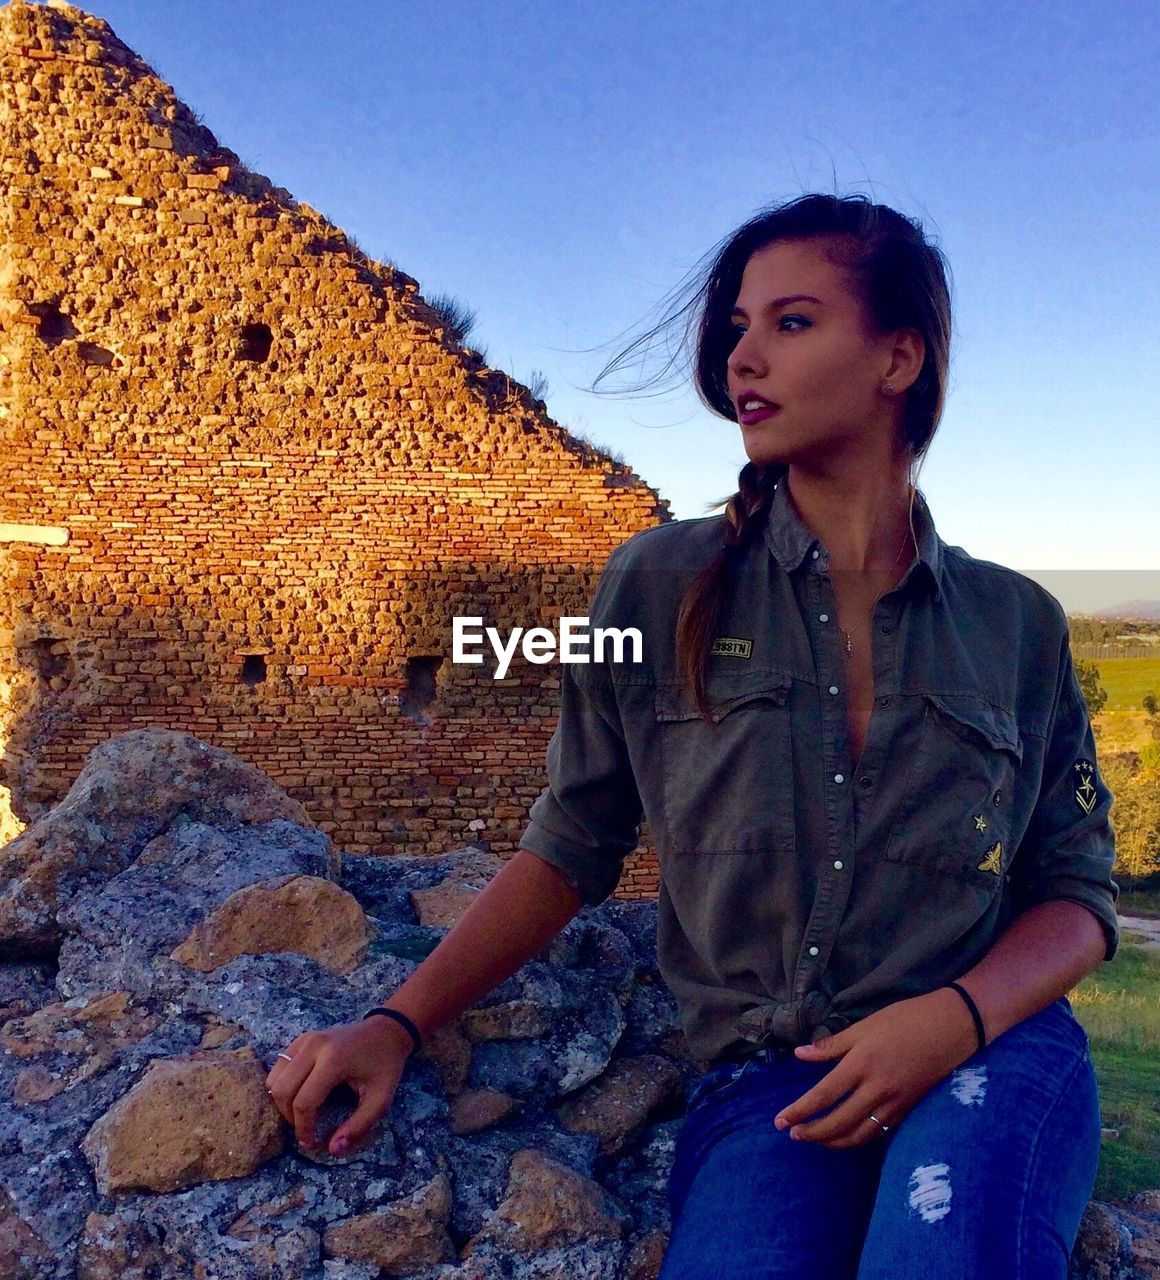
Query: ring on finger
{"type": "Point", "coordinates": [288, 1059]}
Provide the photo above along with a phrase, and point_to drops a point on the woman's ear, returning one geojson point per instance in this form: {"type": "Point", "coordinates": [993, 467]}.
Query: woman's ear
{"type": "Point", "coordinates": [907, 352]}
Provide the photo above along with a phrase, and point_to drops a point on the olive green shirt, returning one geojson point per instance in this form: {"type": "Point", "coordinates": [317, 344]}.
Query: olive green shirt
{"type": "Point", "coordinates": [801, 891]}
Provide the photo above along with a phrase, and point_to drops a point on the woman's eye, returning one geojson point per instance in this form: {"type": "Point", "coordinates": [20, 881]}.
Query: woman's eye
{"type": "Point", "coordinates": [793, 323]}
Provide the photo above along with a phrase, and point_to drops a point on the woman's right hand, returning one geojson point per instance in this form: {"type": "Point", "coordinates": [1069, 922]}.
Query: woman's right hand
{"type": "Point", "coordinates": [369, 1056]}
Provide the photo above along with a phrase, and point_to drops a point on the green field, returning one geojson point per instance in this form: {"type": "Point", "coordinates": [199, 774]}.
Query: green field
{"type": "Point", "coordinates": [1127, 680]}
{"type": "Point", "coordinates": [1140, 897]}
{"type": "Point", "coordinates": [1118, 1006]}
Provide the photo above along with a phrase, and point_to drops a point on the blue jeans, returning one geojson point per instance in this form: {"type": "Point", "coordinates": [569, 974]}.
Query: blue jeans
{"type": "Point", "coordinates": [985, 1178]}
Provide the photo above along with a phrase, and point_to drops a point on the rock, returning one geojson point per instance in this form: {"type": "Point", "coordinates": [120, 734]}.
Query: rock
{"type": "Point", "coordinates": [450, 1051]}
{"type": "Point", "coordinates": [511, 1020]}
{"type": "Point", "coordinates": [293, 913]}
{"type": "Point", "coordinates": [131, 788]}
{"type": "Point", "coordinates": [444, 904]}
{"type": "Point", "coordinates": [190, 1119]}
{"type": "Point", "coordinates": [122, 934]}
{"type": "Point", "coordinates": [477, 1109]}
{"type": "Point", "coordinates": [385, 886]}
{"type": "Point", "coordinates": [1141, 1215]}
{"type": "Point", "coordinates": [443, 908]}
{"type": "Point", "coordinates": [548, 1205]}
{"type": "Point", "coordinates": [406, 1236]}
{"type": "Point", "coordinates": [646, 1255]}
{"type": "Point", "coordinates": [114, 1248]}
{"type": "Point", "coordinates": [1119, 1242]}
{"type": "Point", "coordinates": [216, 1034]}
{"type": "Point", "coordinates": [23, 1254]}
{"type": "Point", "coordinates": [620, 1101]}
{"type": "Point", "coordinates": [531, 1137]}
{"type": "Point", "coordinates": [95, 1033]}
{"type": "Point", "coordinates": [255, 1223]}
{"type": "Point", "coordinates": [585, 1025]}
{"type": "Point", "coordinates": [24, 987]}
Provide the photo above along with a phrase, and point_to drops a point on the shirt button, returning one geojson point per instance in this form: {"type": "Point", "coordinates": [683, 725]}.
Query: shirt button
{"type": "Point", "coordinates": [838, 865]}
{"type": "Point", "coordinates": [884, 629]}
{"type": "Point", "coordinates": [823, 617]}
{"type": "Point", "coordinates": [833, 688]}
{"type": "Point", "coordinates": [839, 777]}
{"type": "Point", "coordinates": [884, 702]}
{"type": "Point", "coordinates": [813, 951]}
{"type": "Point", "coordinates": [816, 554]}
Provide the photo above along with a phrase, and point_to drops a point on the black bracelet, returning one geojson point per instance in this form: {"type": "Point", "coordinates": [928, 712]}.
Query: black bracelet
{"type": "Point", "coordinates": [403, 1020]}
{"type": "Point", "coordinates": [974, 1008]}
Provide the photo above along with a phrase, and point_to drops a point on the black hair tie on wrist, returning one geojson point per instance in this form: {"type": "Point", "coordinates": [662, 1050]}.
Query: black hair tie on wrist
{"type": "Point", "coordinates": [403, 1020]}
{"type": "Point", "coordinates": [974, 1008]}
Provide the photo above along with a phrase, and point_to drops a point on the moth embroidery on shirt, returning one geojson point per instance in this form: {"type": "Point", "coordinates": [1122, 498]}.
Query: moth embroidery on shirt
{"type": "Point", "coordinates": [732, 647]}
{"type": "Point", "coordinates": [1085, 792]}
{"type": "Point", "coordinates": [994, 859]}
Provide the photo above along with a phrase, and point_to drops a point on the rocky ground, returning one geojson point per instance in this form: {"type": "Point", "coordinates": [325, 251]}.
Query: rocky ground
{"type": "Point", "coordinates": [177, 920]}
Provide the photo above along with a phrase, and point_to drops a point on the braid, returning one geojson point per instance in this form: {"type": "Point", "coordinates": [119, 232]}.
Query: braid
{"type": "Point", "coordinates": [703, 602]}
{"type": "Point", "coordinates": [747, 508]}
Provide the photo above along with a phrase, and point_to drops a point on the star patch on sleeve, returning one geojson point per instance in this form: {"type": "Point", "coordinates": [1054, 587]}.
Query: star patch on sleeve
{"type": "Point", "coordinates": [1085, 791]}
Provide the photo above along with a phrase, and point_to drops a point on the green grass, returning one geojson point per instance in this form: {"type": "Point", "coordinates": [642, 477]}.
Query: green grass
{"type": "Point", "coordinates": [1139, 902]}
{"type": "Point", "coordinates": [1118, 1006]}
{"type": "Point", "coordinates": [1127, 680]}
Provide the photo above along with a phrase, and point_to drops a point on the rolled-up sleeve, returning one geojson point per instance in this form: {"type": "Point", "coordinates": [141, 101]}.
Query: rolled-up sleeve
{"type": "Point", "coordinates": [1069, 848]}
{"type": "Point", "coordinates": [587, 820]}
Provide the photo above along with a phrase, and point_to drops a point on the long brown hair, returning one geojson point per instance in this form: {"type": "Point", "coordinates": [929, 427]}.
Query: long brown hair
{"type": "Point", "coordinates": [903, 279]}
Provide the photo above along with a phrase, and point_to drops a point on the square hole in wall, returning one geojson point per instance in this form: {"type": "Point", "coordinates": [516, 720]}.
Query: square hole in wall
{"type": "Point", "coordinates": [254, 342]}
{"type": "Point", "coordinates": [253, 668]}
{"type": "Point", "coordinates": [418, 696]}
{"type": "Point", "coordinates": [51, 656]}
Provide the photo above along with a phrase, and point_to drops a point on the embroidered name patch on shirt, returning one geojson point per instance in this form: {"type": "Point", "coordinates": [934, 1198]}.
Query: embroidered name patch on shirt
{"type": "Point", "coordinates": [731, 647]}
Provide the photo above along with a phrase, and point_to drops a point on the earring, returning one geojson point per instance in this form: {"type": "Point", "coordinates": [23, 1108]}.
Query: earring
{"type": "Point", "coordinates": [888, 387]}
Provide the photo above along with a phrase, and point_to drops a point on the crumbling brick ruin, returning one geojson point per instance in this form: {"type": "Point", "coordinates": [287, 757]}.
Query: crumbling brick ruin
{"type": "Point", "coordinates": [249, 477]}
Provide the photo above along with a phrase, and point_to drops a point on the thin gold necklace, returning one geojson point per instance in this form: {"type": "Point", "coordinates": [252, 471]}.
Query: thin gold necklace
{"type": "Point", "coordinates": [845, 633]}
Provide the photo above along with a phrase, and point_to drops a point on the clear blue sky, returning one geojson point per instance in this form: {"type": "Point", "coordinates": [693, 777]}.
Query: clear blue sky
{"type": "Point", "coordinates": [561, 167]}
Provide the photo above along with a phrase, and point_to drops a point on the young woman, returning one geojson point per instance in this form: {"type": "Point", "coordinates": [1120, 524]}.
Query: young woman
{"type": "Point", "coordinates": [870, 778]}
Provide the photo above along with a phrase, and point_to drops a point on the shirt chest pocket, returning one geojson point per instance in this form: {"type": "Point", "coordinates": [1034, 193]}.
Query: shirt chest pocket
{"type": "Point", "coordinates": [955, 811]}
{"type": "Point", "coordinates": [727, 783]}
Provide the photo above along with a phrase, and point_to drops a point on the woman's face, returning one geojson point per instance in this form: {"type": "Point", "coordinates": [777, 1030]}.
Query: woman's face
{"type": "Point", "coordinates": [805, 344]}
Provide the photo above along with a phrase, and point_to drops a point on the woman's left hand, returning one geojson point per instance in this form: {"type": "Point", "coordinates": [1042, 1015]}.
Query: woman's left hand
{"type": "Point", "coordinates": [889, 1060]}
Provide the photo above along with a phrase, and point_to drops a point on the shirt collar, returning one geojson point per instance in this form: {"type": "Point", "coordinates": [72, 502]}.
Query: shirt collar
{"type": "Point", "coordinates": [792, 541]}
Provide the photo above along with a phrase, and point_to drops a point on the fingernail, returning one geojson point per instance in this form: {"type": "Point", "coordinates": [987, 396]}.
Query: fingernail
{"type": "Point", "coordinates": [341, 1145]}
{"type": "Point", "coordinates": [780, 1122]}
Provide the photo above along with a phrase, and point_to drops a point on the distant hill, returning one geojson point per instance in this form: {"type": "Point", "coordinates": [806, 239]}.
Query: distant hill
{"type": "Point", "coordinates": [1149, 610]}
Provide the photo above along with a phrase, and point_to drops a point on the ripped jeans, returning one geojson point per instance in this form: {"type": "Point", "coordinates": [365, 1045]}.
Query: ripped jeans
{"type": "Point", "coordinates": [986, 1178]}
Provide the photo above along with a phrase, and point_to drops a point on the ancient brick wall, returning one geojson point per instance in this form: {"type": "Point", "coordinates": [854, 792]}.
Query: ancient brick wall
{"type": "Point", "coordinates": [248, 479]}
